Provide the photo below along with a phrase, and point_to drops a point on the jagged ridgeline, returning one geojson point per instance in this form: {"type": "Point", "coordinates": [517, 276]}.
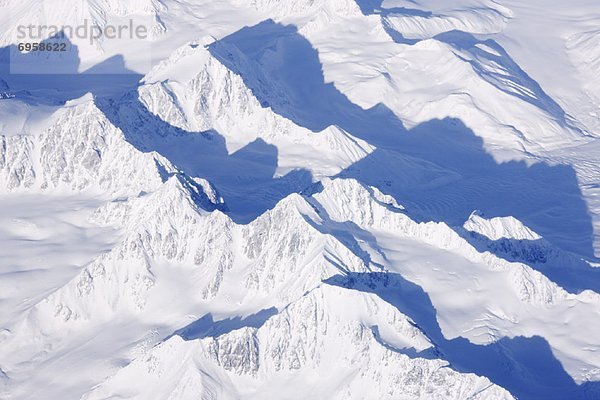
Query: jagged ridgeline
{"type": "Point", "coordinates": [303, 200]}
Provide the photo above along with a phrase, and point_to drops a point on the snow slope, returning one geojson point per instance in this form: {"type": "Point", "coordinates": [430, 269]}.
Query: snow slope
{"type": "Point", "coordinates": [322, 341]}
{"type": "Point", "coordinates": [304, 199]}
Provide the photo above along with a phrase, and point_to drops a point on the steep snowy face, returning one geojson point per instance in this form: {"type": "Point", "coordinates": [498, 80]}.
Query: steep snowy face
{"type": "Point", "coordinates": [224, 94]}
{"type": "Point", "coordinates": [81, 150]}
{"type": "Point", "coordinates": [204, 110]}
{"type": "Point", "coordinates": [499, 228]}
{"type": "Point", "coordinates": [16, 161]}
{"type": "Point", "coordinates": [525, 302]}
{"type": "Point", "coordinates": [262, 260]}
{"type": "Point", "coordinates": [121, 278]}
{"type": "Point", "coordinates": [173, 246]}
{"type": "Point", "coordinates": [309, 259]}
{"type": "Point", "coordinates": [284, 205]}
{"type": "Point", "coordinates": [468, 71]}
{"type": "Point", "coordinates": [333, 339]}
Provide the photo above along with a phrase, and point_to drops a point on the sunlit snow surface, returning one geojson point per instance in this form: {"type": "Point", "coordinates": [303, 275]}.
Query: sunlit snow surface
{"type": "Point", "coordinates": [301, 199]}
{"type": "Point", "coordinates": [44, 243]}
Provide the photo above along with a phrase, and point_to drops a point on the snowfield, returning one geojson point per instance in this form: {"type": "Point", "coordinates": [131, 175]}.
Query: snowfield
{"type": "Point", "coordinates": [303, 199]}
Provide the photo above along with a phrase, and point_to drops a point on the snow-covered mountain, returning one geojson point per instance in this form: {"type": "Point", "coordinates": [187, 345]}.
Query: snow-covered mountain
{"type": "Point", "coordinates": [346, 199]}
